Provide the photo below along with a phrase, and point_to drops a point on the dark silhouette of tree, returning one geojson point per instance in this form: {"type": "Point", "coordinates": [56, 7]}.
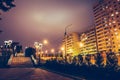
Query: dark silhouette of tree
{"type": "Point", "coordinates": [30, 51]}
{"type": "Point", "coordinates": [6, 5]}
{"type": "Point", "coordinates": [19, 48]}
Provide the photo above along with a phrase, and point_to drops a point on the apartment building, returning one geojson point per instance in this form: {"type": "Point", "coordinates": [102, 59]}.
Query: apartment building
{"type": "Point", "coordinates": [107, 24]}
{"type": "Point", "coordinates": [71, 42]}
{"type": "Point", "coordinates": [88, 42]}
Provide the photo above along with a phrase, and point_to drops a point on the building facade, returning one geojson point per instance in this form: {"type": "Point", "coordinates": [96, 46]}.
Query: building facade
{"type": "Point", "coordinates": [88, 42]}
{"type": "Point", "coordinates": [107, 23]}
{"type": "Point", "coordinates": [71, 44]}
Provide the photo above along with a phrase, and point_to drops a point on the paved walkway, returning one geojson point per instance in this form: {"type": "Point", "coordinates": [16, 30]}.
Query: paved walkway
{"type": "Point", "coordinates": [29, 74]}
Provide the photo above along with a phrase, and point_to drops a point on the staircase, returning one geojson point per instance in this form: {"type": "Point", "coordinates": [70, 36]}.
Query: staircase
{"type": "Point", "coordinates": [20, 62]}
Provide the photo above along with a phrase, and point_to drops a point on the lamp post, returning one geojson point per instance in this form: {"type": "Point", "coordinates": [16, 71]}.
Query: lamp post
{"type": "Point", "coordinates": [65, 35]}
{"type": "Point", "coordinates": [53, 52]}
{"type": "Point", "coordinates": [39, 47]}
{"type": "Point", "coordinates": [8, 43]}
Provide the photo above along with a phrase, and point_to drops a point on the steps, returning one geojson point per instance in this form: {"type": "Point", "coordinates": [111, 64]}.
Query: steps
{"type": "Point", "coordinates": [21, 62]}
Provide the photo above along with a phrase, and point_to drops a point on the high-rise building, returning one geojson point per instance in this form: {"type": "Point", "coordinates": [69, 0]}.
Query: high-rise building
{"type": "Point", "coordinates": [107, 23]}
{"type": "Point", "coordinates": [88, 42]}
{"type": "Point", "coordinates": [71, 42]}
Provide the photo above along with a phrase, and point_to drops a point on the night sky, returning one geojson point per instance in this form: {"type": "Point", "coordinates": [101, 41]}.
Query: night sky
{"type": "Point", "coordinates": [36, 20]}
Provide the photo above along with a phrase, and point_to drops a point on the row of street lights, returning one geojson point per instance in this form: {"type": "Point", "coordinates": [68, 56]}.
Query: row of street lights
{"type": "Point", "coordinates": [38, 46]}
{"type": "Point", "coordinates": [39, 49]}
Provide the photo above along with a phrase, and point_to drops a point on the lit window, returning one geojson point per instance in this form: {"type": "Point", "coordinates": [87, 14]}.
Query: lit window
{"type": "Point", "coordinates": [116, 12]}
{"type": "Point", "coordinates": [106, 6]}
{"type": "Point", "coordinates": [116, 33]}
{"type": "Point", "coordinates": [103, 8]}
{"type": "Point", "coordinates": [112, 14]}
{"type": "Point", "coordinates": [115, 29]}
{"type": "Point", "coordinates": [114, 21]}
{"type": "Point", "coordinates": [110, 8]}
{"type": "Point", "coordinates": [105, 18]}
{"type": "Point", "coordinates": [109, 23]}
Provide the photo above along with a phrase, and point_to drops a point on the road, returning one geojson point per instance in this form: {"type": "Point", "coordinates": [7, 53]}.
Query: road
{"type": "Point", "coordinates": [29, 74]}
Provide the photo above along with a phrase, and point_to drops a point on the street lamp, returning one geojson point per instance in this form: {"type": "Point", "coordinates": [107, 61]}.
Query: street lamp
{"type": "Point", "coordinates": [46, 51]}
{"type": "Point", "coordinates": [63, 52]}
{"type": "Point", "coordinates": [39, 47]}
{"type": "Point", "coordinates": [45, 41]}
{"type": "Point", "coordinates": [65, 35]}
{"type": "Point", "coordinates": [8, 43]}
{"type": "Point", "coordinates": [52, 50]}
{"type": "Point", "coordinates": [62, 48]}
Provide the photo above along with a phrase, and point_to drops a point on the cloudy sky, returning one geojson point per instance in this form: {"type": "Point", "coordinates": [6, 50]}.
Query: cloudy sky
{"type": "Point", "coordinates": [36, 20]}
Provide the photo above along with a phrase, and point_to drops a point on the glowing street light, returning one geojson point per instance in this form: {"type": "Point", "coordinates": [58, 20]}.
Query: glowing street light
{"type": "Point", "coordinates": [8, 43]}
{"type": "Point", "coordinates": [46, 51]}
{"type": "Point", "coordinates": [62, 48]}
{"type": "Point", "coordinates": [52, 50]}
{"type": "Point", "coordinates": [39, 47]}
{"type": "Point", "coordinates": [45, 42]}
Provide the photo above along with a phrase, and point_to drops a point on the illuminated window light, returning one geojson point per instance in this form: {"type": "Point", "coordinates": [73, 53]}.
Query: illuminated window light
{"type": "Point", "coordinates": [106, 6]}
{"type": "Point", "coordinates": [114, 21]}
{"type": "Point", "coordinates": [105, 18]}
{"type": "Point", "coordinates": [116, 12]}
{"type": "Point", "coordinates": [115, 29]}
{"type": "Point", "coordinates": [112, 14]}
{"type": "Point", "coordinates": [110, 8]}
{"type": "Point", "coordinates": [116, 33]}
{"type": "Point", "coordinates": [109, 23]}
{"type": "Point", "coordinates": [106, 25]}
{"type": "Point", "coordinates": [103, 8]}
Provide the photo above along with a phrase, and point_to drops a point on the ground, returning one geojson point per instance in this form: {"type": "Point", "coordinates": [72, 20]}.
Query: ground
{"type": "Point", "coordinates": [29, 74]}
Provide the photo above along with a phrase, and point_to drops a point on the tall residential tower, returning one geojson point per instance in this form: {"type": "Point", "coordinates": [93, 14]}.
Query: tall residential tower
{"type": "Point", "coordinates": [107, 22]}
